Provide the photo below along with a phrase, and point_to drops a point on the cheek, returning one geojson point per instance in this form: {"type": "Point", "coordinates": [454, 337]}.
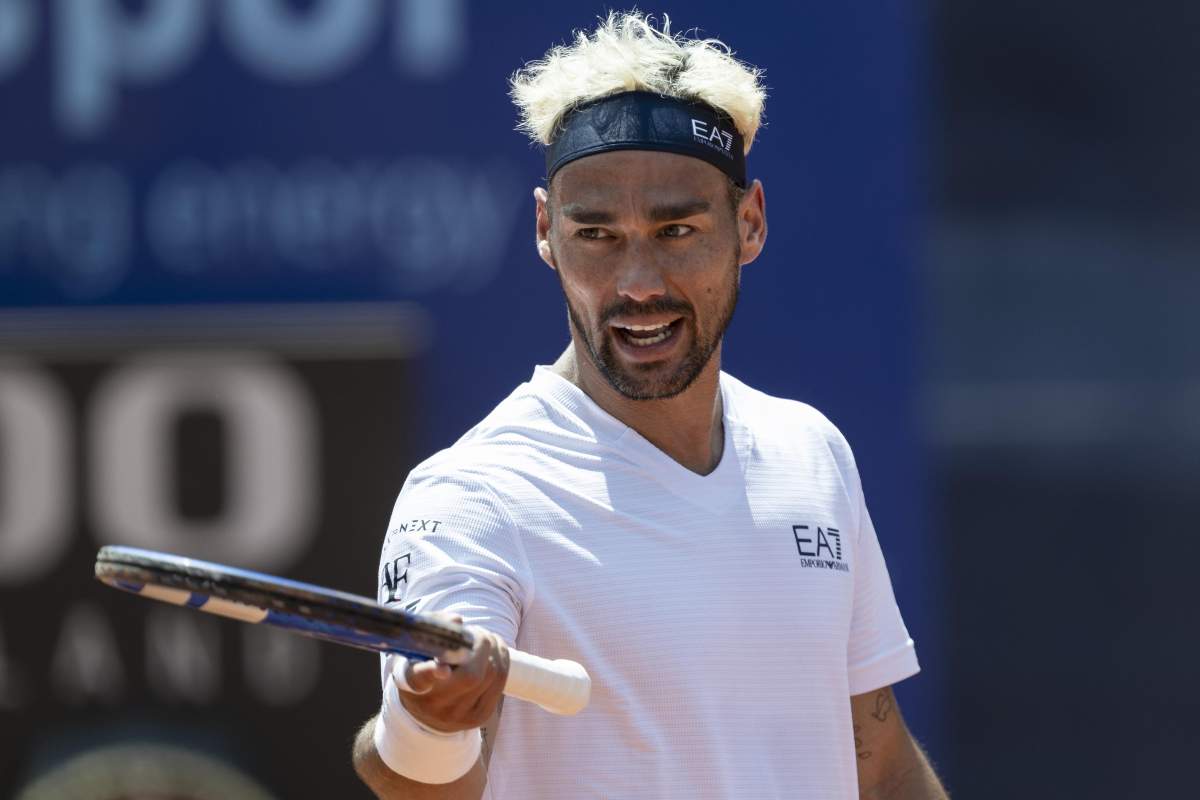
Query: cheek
{"type": "Point", "coordinates": [575, 281]}
{"type": "Point", "coordinates": [581, 293]}
{"type": "Point", "coordinates": [580, 276]}
{"type": "Point", "coordinates": [710, 260]}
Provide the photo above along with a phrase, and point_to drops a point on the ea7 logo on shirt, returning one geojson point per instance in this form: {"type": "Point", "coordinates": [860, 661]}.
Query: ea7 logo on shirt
{"type": "Point", "coordinates": [819, 548]}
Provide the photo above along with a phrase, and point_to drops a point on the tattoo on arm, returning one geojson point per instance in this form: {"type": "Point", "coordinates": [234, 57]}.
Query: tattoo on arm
{"type": "Point", "coordinates": [883, 705]}
{"type": "Point", "coordinates": [488, 733]}
{"type": "Point", "coordinates": [863, 755]}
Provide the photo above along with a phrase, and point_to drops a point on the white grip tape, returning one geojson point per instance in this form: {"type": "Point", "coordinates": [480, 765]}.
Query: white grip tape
{"type": "Point", "coordinates": [561, 686]}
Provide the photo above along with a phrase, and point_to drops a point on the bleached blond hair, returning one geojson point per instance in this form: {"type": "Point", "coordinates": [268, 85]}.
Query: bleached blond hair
{"type": "Point", "coordinates": [627, 53]}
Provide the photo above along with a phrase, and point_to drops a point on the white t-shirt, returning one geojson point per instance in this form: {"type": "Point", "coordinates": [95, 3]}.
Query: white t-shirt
{"type": "Point", "coordinates": [725, 619]}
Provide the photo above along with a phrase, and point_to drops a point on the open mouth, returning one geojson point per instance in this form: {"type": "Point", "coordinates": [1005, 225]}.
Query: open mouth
{"type": "Point", "coordinates": [648, 335]}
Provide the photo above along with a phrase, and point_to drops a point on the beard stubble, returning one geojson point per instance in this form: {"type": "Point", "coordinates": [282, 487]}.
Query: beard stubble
{"type": "Point", "coordinates": [643, 381]}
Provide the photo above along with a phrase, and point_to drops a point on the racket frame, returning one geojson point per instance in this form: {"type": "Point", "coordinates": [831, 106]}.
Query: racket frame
{"type": "Point", "coordinates": [136, 567]}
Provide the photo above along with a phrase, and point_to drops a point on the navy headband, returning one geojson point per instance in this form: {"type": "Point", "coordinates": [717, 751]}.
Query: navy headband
{"type": "Point", "coordinates": [647, 121]}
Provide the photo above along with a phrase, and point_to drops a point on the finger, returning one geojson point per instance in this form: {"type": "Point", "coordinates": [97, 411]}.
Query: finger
{"type": "Point", "coordinates": [422, 677]}
{"type": "Point", "coordinates": [483, 677]}
{"type": "Point", "coordinates": [460, 682]}
{"type": "Point", "coordinates": [499, 664]}
{"type": "Point", "coordinates": [399, 667]}
{"type": "Point", "coordinates": [489, 655]}
{"type": "Point", "coordinates": [490, 697]}
{"type": "Point", "coordinates": [456, 656]}
{"type": "Point", "coordinates": [470, 693]}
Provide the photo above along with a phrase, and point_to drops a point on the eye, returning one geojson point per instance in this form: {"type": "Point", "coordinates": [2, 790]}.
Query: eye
{"type": "Point", "coordinates": [676, 231]}
{"type": "Point", "coordinates": [592, 233]}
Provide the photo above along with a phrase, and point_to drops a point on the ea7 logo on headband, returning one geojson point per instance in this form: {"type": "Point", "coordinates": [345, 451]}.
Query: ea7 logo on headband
{"type": "Point", "coordinates": [711, 133]}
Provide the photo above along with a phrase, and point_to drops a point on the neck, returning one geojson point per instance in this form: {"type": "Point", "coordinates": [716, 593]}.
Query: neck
{"type": "Point", "coordinates": [688, 427]}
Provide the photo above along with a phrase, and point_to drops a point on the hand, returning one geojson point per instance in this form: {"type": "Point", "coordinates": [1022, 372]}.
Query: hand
{"type": "Point", "coordinates": [451, 698]}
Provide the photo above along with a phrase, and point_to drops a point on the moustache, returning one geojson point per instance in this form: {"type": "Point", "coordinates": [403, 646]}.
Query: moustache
{"type": "Point", "coordinates": [627, 308]}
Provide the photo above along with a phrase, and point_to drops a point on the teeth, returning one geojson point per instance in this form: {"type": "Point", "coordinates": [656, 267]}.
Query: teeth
{"type": "Point", "coordinates": [645, 327]}
{"type": "Point", "coordinates": [646, 341]}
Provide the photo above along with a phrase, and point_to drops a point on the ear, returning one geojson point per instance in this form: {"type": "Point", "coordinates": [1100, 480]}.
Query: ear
{"type": "Point", "coordinates": [752, 222]}
{"type": "Point", "coordinates": [542, 200]}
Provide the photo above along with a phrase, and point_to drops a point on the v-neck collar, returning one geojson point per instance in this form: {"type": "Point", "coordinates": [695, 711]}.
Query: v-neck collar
{"type": "Point", "coordinates": [713, 491]}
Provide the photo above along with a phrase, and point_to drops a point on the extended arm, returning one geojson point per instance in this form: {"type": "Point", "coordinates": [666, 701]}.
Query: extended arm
{"type": "Point", "coordinates": [891, 766]}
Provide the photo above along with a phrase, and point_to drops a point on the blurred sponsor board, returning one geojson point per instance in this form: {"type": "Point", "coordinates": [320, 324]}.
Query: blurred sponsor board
{"type": "Point", "coordinates": [267, 437]}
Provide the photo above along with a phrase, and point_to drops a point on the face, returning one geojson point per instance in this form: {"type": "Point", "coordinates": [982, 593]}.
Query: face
{"type": "Point", "coordinates": [648, 249]}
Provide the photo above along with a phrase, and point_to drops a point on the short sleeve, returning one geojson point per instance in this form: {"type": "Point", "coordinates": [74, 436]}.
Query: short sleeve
{"type": "Point", "coordinates": [880, 651]}
{"type": "Point", "coordinates": [451, 546]}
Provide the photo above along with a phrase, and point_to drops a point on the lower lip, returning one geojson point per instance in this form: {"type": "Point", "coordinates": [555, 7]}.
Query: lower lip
{"type": "Point", "coordinates": [650, 352]}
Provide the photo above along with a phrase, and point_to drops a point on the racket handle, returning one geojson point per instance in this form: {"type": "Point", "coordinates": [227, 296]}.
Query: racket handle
{"type": "Point", "coordinates": [561, 686]}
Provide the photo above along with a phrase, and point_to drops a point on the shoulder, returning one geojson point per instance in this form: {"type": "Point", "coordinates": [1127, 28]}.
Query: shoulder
{"type": "Point", "coordinates": [528, 433]}
{"type": "Point", "coordinates": [452, 496]}
{"type": "Point", "coordinates": [780, 419]}
{"type": "Point", "coordinates": [533, 415]}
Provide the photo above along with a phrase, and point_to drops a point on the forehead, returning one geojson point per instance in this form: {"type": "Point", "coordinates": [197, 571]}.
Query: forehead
{"type": "Point", "coordinates": [636, 177]}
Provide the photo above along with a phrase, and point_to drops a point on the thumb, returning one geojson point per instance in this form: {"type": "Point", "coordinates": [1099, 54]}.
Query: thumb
{"type": "Point", "coordinates": [418, 677]}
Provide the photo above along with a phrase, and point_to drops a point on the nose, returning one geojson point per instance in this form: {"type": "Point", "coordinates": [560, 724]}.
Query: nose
{"type": "Point", "coordinates": [641, 278]}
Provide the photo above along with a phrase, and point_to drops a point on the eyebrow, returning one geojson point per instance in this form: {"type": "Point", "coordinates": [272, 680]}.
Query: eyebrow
{"type": "Point", "coordinates": [577, 212]}
{"type": "Point", "coordinates": [670, 211]}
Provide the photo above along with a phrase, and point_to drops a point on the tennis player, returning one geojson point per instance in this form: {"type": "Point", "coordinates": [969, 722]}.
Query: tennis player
{"type": "Point", "coordinates": [702, 548]}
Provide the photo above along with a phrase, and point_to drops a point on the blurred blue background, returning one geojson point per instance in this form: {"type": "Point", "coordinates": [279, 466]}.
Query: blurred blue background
{"type": "Point", "coordinates": [300, 234]}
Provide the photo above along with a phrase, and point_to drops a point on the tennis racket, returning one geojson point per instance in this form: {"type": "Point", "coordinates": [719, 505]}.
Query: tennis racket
{"type": "Point", "coordinates": [561, 686]}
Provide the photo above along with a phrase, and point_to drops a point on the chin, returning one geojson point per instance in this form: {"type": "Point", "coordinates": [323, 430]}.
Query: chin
{"type": "Point", "coordinates": [658, 381]}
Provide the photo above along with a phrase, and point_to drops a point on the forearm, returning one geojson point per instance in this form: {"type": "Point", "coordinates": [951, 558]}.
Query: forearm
{"type": "Point", "coordinates": [387, 784]}
{"type": "Point", "coordinates": [915, 781]}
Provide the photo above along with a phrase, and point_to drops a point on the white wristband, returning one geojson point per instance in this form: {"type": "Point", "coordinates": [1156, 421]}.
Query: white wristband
{"type": "Point", "coordinates": [416, 752]}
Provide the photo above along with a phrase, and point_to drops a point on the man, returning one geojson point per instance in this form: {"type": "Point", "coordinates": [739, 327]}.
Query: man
{"type": "Point", "coordinates": [702, 548]}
